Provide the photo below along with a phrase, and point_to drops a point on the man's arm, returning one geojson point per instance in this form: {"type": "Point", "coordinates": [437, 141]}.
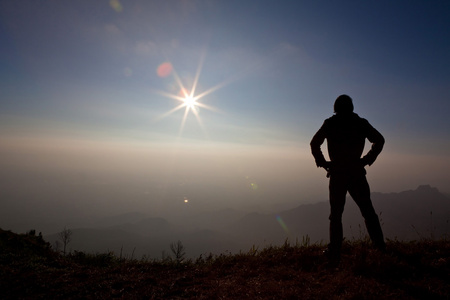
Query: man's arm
{"type": "Point", "coordinates": [316, 142]}
{"type": "Point", "coordinates": [377, 141]}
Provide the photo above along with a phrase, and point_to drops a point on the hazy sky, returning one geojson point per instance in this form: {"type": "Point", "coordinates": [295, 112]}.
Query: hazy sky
{"type": "Point", "coordinates": [88, 94]}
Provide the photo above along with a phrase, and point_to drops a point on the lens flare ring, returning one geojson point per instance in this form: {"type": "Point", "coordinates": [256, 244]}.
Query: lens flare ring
{"type": "Point", "coordinates": [282, 224]}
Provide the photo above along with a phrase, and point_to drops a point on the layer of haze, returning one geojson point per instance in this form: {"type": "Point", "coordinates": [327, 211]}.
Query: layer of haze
{"type": "Point", "coordinates": [84, 123]}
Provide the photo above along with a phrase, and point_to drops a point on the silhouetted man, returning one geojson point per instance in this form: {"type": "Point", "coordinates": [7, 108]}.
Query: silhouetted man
{"type": "Point", "coordinates": [346, 133]}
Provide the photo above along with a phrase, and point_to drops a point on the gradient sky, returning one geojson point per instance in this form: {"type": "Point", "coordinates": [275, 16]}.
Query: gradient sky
{"type": "Point", "coordinates": [81, 95]}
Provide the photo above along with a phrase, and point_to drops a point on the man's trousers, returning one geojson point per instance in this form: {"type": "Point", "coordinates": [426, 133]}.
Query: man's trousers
{"type": "Point", "coordinates": [356, 184]}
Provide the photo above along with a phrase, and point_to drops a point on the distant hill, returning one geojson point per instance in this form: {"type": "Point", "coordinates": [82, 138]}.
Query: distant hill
{"type": "Point", "coordinates": [150, 237]}
{"type": "Point", "coordinates": [408, 215]}
{"type": "Point", "coordinates": [415, 214]}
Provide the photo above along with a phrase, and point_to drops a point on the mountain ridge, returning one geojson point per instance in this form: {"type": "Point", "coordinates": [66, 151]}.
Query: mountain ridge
{"type": "Point", "coordinates": [404, 215]}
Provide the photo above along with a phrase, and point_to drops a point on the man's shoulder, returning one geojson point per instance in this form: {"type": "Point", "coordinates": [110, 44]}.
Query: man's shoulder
{"type": "Point", "coordinates": [353, 118]}
{"type": "Point", "coordinates": [362, 120]}
{"type": "Point", "coordinates": [333, 118]}
{"type": "Point", "coordinates": [345, 117]}
{"type": "Point", "coordinates": [331, 121]}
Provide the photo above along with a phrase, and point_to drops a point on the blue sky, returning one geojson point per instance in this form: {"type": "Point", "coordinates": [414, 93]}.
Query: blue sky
{"type": "Point", "coordinates": [80, 77]}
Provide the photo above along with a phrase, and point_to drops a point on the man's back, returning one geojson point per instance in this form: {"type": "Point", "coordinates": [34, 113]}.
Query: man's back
{"type": "Point", "coordinates": [345, 135]}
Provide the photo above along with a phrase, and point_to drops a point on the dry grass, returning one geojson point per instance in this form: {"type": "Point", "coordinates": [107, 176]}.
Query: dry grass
{"type": "Point", "coordinates": [29, 269]}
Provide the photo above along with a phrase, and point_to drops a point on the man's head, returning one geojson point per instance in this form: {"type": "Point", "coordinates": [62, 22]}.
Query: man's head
{"type": "Point", "coordinates": [343, 105]}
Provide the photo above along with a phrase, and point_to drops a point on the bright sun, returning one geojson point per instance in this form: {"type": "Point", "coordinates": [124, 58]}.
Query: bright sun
{"type": "Point", "coordinates": [188, 98]}
{"type": "Point", "coordinates": [190, 101]}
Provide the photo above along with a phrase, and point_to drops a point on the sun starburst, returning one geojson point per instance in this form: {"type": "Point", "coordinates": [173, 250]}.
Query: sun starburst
{"type": "Point", "coordinates": [189, 100]}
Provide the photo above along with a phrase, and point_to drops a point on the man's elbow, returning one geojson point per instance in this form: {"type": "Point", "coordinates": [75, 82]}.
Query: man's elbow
{"type": "Point", "coordinates": [382, 141]}
{"type": "Point", "coordinates": [315, 147]}
{"type": "Point", "coordinates": [378, 145]}
{"type": "Point", "coordinates": [315, 143]}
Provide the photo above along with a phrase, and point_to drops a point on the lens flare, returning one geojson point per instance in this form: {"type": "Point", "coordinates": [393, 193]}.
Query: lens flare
{"type": "Point", "coordinates": [283, 225]}
{"type": "Point", "coordinates": [115, 4]}
{"type": "Point", "coordinates": [254, 186]}
{"type": "Point", "coordinates": [164, 69]}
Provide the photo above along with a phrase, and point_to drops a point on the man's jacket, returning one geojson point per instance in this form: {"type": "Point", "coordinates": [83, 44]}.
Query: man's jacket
{"type": "Point", "coordinates": [346, 135]}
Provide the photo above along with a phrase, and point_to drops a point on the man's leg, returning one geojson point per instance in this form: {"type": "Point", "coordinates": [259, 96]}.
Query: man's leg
{"type": "Point", "coordinates": [360, 191]}
{"type": "Point", "coordinates": [338, 191]}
